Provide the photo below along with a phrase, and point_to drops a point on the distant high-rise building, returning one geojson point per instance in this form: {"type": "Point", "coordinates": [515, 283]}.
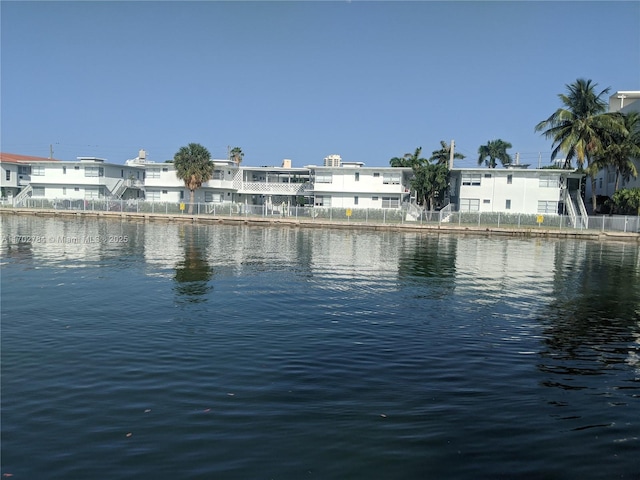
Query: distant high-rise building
{"type": "Point", "coordinates": [332, 161]}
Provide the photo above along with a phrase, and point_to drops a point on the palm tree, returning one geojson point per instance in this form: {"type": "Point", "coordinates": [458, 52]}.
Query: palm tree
{"type": "Point", "coordinates": [578, 127]}
{"type": "Point", "coordinates": [492, 151]}
{"type": "Point", "coordinates": [194, 167]}
{"type": "Point", "coordinates": [621, 147]}
{"type": "Point", "coordinates": [409, 160]}
{"type": "Point", "coordinates": [430, 182]}
{"type": "Point", "coordinates": [236, 155]}
{"type": "Point", "coordinates": [442, 156]}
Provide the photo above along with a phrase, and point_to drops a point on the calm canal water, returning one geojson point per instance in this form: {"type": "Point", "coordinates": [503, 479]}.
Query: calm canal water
{"type": "Point", "coordinates": [168, 351]}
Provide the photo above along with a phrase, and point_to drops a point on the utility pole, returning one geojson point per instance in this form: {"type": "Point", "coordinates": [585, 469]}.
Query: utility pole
{"type": "Point", "coordinates": [451, 153]}
{"type": "Point", "coordinates": [622, 96]}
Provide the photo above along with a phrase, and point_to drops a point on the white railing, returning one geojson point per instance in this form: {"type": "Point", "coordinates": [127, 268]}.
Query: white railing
{"type": "Point", "coordinates": [273, 188]}
{"type": "Point", "coordinates": [24, 193]}
{"type": "Point", "coordinates": [445, 213]}
{"type": "Point", "coordinates": [584, 216]}
{"type": "Point", "coordinates": [571, 209]}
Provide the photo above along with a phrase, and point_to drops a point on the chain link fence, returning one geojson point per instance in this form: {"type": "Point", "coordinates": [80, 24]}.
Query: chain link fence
{"type": "Point", "coordinates": [403, 215]}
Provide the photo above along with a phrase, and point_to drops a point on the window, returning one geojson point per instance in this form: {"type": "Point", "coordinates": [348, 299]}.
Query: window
{"type": "Point", "coordinates": [324, 177]}
{"type": "Point", "coordinates": [469, 204]}
{"type": "Point", "coordinates": [218, 175]}
{"type": "Point", "coordinates": [37, 170]}
{"type": "Point", "coordinates": [121, 173]}
{"type": "Point", "coordinates": [165, 169]}
{"type": "Point", "coordinates": [487, 175]}
{"type": "Point", "coordinates": [213, 197]}
{"type": "Point", "coordinates": [64, 190]}
{"type": "Point", "coordinates": [94, 171]}
{"type": "Point", "coordinates": [37, 192]}
{"type": "Point", "coordinates": [153, 195]}
{"type": "Point", "coordinates": [64, 170]}
{"type": "Point", "coordinates": [22, 170]}
{"type": "Point", "coordinates": [374, 199]}
{"type": "Point", "coordinates": [390, 202]}
{"type": "Point", "coordinates": [486, 200]}
{"type": "Point", "coordinates": [91, 192]}
{"type": "Point", "coordinates": [153, 173]}
{"type": "Point", "coordinates": [77, 167]}
{"type": "Point", "coordinates": [355, 200]}
{"type": "Point", "coordinates": [357, 175]}
{"type": "Point", "coordinates": [164, 192]}
{"type": "Point", "coordinates": [507, 205]}
{"type": "Point", "coordinates": [600, 183]}
{"type": "Point", "coordinates": [472, 179]}
{"type": "Point", "coordinates": [76, 189]}
{"type": "Point", "coordinates": [8, 175]}
{"type": "Point", "coordinates": [545, 206]}
{"type": "Point", "coordinates": [181, 194]}
{"type": "Point", "coordinates": [549, 181]}
{"type": "Point", "coordinates": [509, 179]}
{"type": "Point", "coordinates": [391, 179]}
{"type": "Point", "coordinates": [322, 201]}
{"type": "Point", "coordinates": [376, 174]}
{"type": "Point", "coordinates": [611, 177]}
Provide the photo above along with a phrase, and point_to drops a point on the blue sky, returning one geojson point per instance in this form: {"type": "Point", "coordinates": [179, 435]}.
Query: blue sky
{"type": "Point", "coordinates": [301, 80]}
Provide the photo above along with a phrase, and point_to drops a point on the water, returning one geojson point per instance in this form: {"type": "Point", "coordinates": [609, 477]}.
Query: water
{"type": "Point", "coordinates": [166, 351]}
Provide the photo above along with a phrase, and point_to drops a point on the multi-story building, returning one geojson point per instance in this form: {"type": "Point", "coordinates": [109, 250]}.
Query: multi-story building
{"type": "Point", "coordinates": [87, 178]}
{"type": "Point", "coordinates": [337, 184]}
{"type": "Point", "coordinates": [516, 190]}
{"type": "Point", "coordinates": [624, 102]}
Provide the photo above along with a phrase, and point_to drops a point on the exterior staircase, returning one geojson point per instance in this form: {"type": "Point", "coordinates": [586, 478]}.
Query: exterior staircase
{"type": "Point", "coordinates": [22, 196]}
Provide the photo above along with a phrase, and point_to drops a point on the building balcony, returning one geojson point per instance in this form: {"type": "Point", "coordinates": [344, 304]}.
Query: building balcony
{"type": "Point", "coordinates": [262, 188]}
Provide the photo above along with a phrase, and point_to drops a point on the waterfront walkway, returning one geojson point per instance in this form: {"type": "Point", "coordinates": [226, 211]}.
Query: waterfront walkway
{"type": "Point", "coordinates": [511, 231]}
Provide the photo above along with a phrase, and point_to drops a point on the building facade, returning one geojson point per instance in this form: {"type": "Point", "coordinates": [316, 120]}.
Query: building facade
{"type": "Point", "coordinates": [621, 101]}
{"type": "Point", "coordinates": [335, 184]}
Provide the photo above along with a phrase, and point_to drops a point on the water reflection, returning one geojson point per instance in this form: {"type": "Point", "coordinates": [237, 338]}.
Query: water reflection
{"type": "Point", "coordinates": [193, 272]}
{"type": "Point", "coordinates": [592, 323]}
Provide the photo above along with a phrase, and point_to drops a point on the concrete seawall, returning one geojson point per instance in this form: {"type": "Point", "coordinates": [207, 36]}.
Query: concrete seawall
{"type": "Point", "coordinates": [532, 232]}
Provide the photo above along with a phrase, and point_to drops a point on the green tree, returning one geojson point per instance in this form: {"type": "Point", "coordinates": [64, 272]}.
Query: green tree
{"type": "Point", "coordinates": [578, 127]}
{"type": "Point", "coordinates": [442, 156]}
{"type": "Point", "coordinates": [409, 159]}
{"type": "Point", "coordinates": [194, 167]}
{"type": "Point", "coordinates": [236, 155]}
{"type": "Point", "coordinates": [430, 181]}
{"type": "Point", "coordinates": [492, 151]}
{"type": "Point", "coordinates": [627, 201]}
{"type": "Point", "coordinates": [620, 148]}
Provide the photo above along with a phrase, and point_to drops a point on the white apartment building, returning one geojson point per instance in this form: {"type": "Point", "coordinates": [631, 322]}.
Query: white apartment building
{"type": "Point", "coordinates": [621, 101]}
{"type": "Point", "coordinates": [516, 190]}
{"type": "Point", "coordinates": [349, 185]}
{"type": "Point", "coordinates": [352, 185]}
{"type": "Point", "coordinates": [87, 178]}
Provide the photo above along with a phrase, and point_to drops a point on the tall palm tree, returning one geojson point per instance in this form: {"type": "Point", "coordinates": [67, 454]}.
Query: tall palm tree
{"type": "Point", "coordinates": [442, 156]}
{"type": "Point", "coordinates": [492, 151]}
{"type": "Point", "coordinates": [621, 147]}
{"type": "Point", "coordinates": [577, 128]}
{"type": "Point", "coordinates": [236, 155]}
{"type": "Point", "coordinates": [194, 167]}
{"type": "Point", "coordinates": [409, 160]}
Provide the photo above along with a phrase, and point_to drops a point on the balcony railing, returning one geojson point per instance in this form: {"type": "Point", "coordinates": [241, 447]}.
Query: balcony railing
{"type": "Point", "coordinates": [274, 188]}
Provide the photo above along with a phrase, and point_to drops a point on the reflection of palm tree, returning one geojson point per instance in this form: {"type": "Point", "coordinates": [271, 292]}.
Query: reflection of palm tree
{"type": "Point", "coordinates": [193, 274]}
